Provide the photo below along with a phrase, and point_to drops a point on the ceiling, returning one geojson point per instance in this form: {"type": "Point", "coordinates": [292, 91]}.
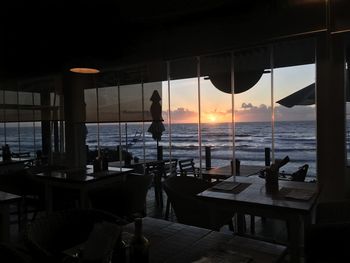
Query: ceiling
{"type": "Point", "coordinates": [45, 37]}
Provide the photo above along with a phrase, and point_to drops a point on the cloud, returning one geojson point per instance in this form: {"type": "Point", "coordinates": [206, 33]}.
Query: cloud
{"type": "Point", "coordinates": [250, 113]}
{"type": "Point", "coordinates": [246, 105]}
{"type": "Point", "coordinates": [182, 115]}
{"type": "Point", "coordinates": [296, 113]}
{"type": "Point", "coordinates": [246, 113]}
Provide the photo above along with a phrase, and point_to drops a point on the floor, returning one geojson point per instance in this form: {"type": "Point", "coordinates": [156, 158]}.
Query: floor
{"type": "Point", "coordinates": [265, 229]}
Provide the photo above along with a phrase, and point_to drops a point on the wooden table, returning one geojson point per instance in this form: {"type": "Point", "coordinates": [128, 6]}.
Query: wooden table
{"type": "Point", "coordinates": [14, 165]}
{"type": "Point", "coordinates": [224, 172]}
{"type": "Point", "coordinates": [251, 197]}
{"type": "Point", "coordinates": [81, 181]}
{"type": "Point", "coordinates": [173, 242]}
{"type": "Point", "coordinates": [5, 200]}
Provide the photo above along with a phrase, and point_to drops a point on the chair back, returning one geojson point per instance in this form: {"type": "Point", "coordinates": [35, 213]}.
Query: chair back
{"type": "Point", "coordinates": [187, 167]}
{"type": "Point", "coordinates": [300, 174]}
{"type": "Point", "coordinates": [282, 162]}
{"type": "Point", "coordinates": [124, 199]}
{"type": "Point", "coordinates": [189, 209]}
{"type": "Point", "coordinates": [49, 236]}
{"type": "Point", "coordinates": [170, 167]}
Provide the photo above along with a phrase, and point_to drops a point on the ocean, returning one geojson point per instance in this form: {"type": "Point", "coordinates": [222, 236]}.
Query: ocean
{"type": "Point", "coordinates": [295, 139]}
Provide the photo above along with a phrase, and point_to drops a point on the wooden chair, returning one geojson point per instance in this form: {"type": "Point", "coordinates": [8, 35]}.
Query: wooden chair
{"type": "Point", "coordinates": [48, 236]}
{"type": "Point", "coordinates": [156, 170]}
{"type": "Point", "coordinates": [190, 209]}
{"type": "Point", "coordinates": [170, 169]}
{"type": "Point", "coordinates": [123, 199]}
{"type": "Point", "coordinates": [300, 174]}
{"type": "Point", "coordinates": [187, 168]}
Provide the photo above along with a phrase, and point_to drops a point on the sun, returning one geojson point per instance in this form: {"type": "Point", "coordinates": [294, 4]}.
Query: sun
{"type": "Point", "coordinates": [212, 118]}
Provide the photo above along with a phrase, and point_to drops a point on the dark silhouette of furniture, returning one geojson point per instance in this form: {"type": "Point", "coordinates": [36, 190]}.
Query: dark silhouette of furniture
{"type": "Point", "coordinates": [170, 169]}
{"type": "Point", "coordinates": [282, 162]}
{"type": "Point", "coordinates": [32, 193]}
{"type": "Point", "coordinates": [49, 236]}
{"type": "Point", "coordinates": [187, 167]}
{"type": "Point", "coordinates": [300, 174]}
{"type": "Point", "coordinates": [156, 170]}
{"type": "Point", "coordinates": [190, 209]}
{"type": "Point", "coordinates": [124, 199]}
{"type": "Point", "coordinates": [325, 241]}
{"type": "Point", "coordinates": [14, 253]}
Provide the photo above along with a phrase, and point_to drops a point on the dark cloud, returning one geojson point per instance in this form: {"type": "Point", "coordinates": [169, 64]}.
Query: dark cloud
{"type": "Point", "coordinates": [181, 115]}
{"type": "Point", "coordinates": [250, 113]}
{"type": "Point", "coordinates": [246, 105]}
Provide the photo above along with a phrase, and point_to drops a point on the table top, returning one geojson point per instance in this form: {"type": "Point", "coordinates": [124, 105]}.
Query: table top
{"type": "Point", "coordinates": [132, 163]}
{"type": "Point", "coordinates": [174, 242]}
{"type": "Point", "coordinates": [253, 194]}
{"type": "Point", "coordinates": [224, 172]}
{"type": "Point", "coordinates": [8, 197]}
{"type": "Point", "coordinates": [16, 161]}
{"type": "Point", "coordinates": [82, 176]}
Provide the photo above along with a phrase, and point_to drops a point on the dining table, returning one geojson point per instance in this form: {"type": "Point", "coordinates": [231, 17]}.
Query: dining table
{"type": "Point", "coordinates": [175, 242]}
{"type": "Point", "coordinates": [224, 172]}
{"type": "Point", "coordinates": [290, 201]}
{"type": "Point", "coordinates": [80, 180]}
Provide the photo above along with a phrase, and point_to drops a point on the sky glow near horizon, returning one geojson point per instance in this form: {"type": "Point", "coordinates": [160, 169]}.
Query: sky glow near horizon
{"type": "Point", "coordinates": [253, 105]}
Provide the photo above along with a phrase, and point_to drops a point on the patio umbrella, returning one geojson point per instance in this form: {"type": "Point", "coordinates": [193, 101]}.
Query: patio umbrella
{"type": "Point", "coordinates": [157, 127]}
{"type": "Point", "coordinates": [304, 96]}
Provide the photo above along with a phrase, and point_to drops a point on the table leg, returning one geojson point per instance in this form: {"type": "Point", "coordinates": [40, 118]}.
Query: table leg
{"type": "Point", "coordinates": [294, 235]}
{"type": "Point", "coordinates": [48, 198]}
{"type": "Point", "coordinates": [240, 224]}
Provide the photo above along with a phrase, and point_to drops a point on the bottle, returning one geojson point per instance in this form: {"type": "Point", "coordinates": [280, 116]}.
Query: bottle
{"type": "Point", "coordinates": [6, 153]}
{"type": "Point", "coordinates": [97, 165]}
{"type": "Point", "coordinates": [139, 245]}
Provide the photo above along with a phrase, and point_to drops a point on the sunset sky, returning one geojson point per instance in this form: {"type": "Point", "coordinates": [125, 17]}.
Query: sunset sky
{"type": "Point", "coordinates": [252, 105]}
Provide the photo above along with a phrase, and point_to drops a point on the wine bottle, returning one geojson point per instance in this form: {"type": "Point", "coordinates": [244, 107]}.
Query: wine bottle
{"type": "Point", "coordinates": [139, 245]}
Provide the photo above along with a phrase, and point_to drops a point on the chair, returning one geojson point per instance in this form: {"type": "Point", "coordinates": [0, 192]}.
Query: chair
{"type": "Point", "coordinates": [49, 236]}
{"type": "Point", "coordinates": [190, 209]}
{"type": "Point", "coordinates": [21, 183]}
{"type": "Point", "coordinates": [282, 162]}
{"type": "Point", "coordinates": [170, 168]}
{"type": "Point", "coordinates": [300, 174]}
{"type": "Point", "coordinates": [126, 199]}
{"type": "Point", "coordinates": [156, 171]}
{"type": "Point", "coordinates": [187, 168]}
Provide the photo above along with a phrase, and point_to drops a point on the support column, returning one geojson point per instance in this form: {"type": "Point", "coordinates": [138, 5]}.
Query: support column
{"type": "Point", "coordinates": [330, 99]}
{"type": "Point", "coordinates": [74, 108]}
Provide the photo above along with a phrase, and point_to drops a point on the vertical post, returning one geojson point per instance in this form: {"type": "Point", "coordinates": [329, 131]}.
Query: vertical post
{"type": "Point", "coordinates": [169, 108]}
{"type": "Point", "coordinates": [207, 157]}
{"type": "Point", "coordinates": [267, 156]}
{"type": "Point", "coordinates": [233, 121]}
{"type": "Point", "coordinates": [199, 115]}
{"type": "Point", "coordinates": [159, 152]}
{"type": "Point", "coordinates": [272, 105]}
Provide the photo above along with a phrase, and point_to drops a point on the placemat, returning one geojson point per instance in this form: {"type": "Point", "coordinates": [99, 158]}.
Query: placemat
{"type": "Point", "coordinates": [235, 190]}
{"type": "Point", "coordinates": [226, 186]}
{"type": "Point", "coordinates": [297, 194]}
